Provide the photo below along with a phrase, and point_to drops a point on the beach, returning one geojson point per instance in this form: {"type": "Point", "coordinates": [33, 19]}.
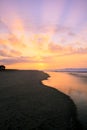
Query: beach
{"type": "Point", "coordinates": [27, 104]}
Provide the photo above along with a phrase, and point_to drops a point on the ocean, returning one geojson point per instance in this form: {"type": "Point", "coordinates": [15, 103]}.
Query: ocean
{"type": "Point", "coordinates": [73, 84]}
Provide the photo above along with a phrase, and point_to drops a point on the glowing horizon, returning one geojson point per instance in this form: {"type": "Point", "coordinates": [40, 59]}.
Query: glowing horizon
{"type": "Point", "coordinates": [47, 34]}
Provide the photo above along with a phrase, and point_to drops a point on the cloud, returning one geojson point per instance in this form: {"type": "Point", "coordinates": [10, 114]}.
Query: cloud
{"type": "Point", "coordinates": [72, 34]}
{"type": "Point", "coordinates": [56, 28]}
{"type": "Point", "coordinates": [5, 27]}
{"type": "Point", "coordinates": [8, 52]}
{"type": "Point", "coordinates": [5, 53]}
{"type": "Point", "coordinates": [55, 47]}
{"type": "Point", "coordinates": [49, 44]}
{"type": "Point", "coordinates": [12, 38]}
{"type": "Point", "coordinates": [13, 60]}
{"type": "Point", "coordinates": [15, 42]}
{"type": "Point", "coordinates": [60, 50]}
{"type": "Point", "coordinates": [3, 42]}
{"type": "Point", "coordinates": [81, 50]}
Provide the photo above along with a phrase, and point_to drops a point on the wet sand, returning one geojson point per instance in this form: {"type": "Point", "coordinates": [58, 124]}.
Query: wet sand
{"type": "Point", "coordinates": [27, 104]}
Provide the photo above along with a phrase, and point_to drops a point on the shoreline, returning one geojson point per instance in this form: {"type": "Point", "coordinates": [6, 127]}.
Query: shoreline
{"type": "Point", "coordinates": [79, 74]}
{"type": "Point", "coordinates": [26, 103]}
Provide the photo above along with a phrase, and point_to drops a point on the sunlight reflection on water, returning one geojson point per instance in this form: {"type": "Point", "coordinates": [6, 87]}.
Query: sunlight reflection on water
{"type": "Point", "coordinates": [73, 85]}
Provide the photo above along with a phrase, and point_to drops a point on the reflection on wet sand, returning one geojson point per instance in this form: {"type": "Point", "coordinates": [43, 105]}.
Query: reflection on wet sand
{"type": "Point", "coordinates": [74, 85]}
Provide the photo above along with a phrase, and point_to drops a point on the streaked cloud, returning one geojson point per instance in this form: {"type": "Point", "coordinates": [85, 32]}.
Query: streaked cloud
{"type": "Point", "coordinates": [9, 53]}
{"type": "Point", "coordinates": [13, 60]}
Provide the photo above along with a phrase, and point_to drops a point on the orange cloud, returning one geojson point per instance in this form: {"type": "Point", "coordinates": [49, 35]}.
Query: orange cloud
{"type": "Point", "coordinates": [15, 42]}
{"type": "Point", "coordinates": [39, 50]}
{"type": "Point", "coordinates": [9, 53]}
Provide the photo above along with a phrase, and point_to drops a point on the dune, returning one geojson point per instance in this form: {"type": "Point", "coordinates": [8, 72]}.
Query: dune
{"type": "Point", "coordinates": [27, 104]}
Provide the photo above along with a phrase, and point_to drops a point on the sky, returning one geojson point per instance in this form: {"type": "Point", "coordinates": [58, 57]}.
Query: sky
{"type": "Point", "coordinates": [43, 34]}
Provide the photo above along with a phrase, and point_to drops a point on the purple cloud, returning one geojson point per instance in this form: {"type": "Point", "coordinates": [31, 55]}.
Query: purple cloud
{"type": "Point", "coordinates": [9, 53]}
{"type": "Point", "coordinates": [21, 59]}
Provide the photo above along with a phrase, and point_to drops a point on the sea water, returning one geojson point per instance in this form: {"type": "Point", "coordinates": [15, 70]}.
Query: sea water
{"type": "Point", "coordinates": [74, 85]}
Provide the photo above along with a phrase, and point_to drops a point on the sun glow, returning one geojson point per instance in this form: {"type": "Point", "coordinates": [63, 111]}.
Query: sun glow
{"type": "Point", "coordinates": [41, 66]}
{"type": "Point", "coordinates": [43, 35]}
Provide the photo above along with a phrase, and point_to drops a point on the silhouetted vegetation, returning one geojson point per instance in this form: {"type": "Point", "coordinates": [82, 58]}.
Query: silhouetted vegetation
{"type": "Point", "coordinates": [2, 67]}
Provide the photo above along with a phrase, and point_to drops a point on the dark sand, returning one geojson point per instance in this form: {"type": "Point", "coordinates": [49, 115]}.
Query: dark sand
{"type": "Point", "coordinates": [27, 104]}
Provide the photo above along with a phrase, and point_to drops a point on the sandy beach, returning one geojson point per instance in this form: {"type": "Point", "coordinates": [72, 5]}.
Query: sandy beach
{"type": "Point", "coordinates": [27, 104]}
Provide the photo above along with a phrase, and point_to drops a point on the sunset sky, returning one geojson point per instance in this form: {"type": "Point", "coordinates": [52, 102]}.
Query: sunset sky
{"type": "Point", "coordinates": [43, 34]}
